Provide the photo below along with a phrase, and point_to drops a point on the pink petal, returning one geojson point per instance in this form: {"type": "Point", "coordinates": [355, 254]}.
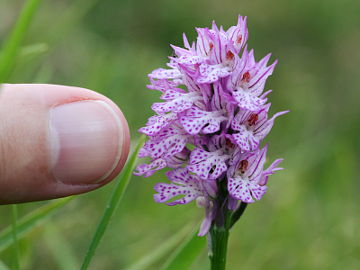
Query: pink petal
{"type": "Point", "coordinates": [239, 33]}
{"type": "Point", "coordinates": [149, 169]}
{"type": "Point", "coordinates": [247, 100]}
{"type": "Point", "coordinates": [161, 73]}
{"type": "Point", "coordinates": [196, 120]}
{"type": "Point", "coordinates": [156, 123]}
{"type": "Point", "coordinates": [239, 189]}
{"type": "Point", "coordinates": [207, 165]}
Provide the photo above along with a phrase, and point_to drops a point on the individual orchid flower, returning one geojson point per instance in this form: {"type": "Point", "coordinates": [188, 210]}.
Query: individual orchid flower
{"type": "Point", "coordinates": [190, 187]}
{"type": "Point", "coordinates": [196, 120]}
{"type": "Point", "coordinates": [247, 182]}
{"type": "Point", "coordinates": [186, 184]}
{"type": "Point", "coordinates": [208, 165]}
{"type": "Point", "coordinates": [158, 122]}
{"type": "Point", "coordinates": [177, 102]}
{"type": "Point", "coordinates": [248, 80]}
{"type": "Point", "coordinates": [238, 34]}
{"type": "Point", "coordinates": [252, 127]}
{"type": "Point", "coordinates": [168, 142]}
{"type": "Point", "coordinates": [157, 164]}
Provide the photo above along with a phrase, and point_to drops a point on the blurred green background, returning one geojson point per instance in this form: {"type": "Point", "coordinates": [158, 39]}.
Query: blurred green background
{"type": "Point", "coordinates": [309, 219]}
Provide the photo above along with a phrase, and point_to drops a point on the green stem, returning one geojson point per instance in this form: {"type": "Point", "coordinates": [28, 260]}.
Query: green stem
{"type": "Point", "coordinates": [14, 236]}
{"type": "Point", "coordinates": [219, 241]}
{"type": "Point", "coordinates": [219, 231]}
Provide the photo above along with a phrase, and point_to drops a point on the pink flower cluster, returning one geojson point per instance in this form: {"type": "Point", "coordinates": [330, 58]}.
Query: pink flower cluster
{"type": "Point", "coordinates": [209, 127]}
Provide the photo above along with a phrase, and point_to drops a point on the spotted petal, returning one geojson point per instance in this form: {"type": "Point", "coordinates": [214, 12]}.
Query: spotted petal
{"type": "Point", "coordinates": [245, 190]}
{"type": "Point", "coordinates": [149, 169]}
{"type": "Point", "coordinates": [163, 85]}
{"type": "Point", "coordinates": [162, 73]}
{"type": "Point", "coordinates": [188, 59]}
{"type": "Point", "coordinates": [171, 94]}
{"type": "Point", "coordinates": [212, 73]}
{"type": "Point", "coordinates": [196, 120]}
{"type": "Point", "coordinates": [245, 139]}
{"type": "Point", "coordinates": [180, 103]}
{"type": "Point", "coordinates": [183, 183]}
{"type": "Point", "coordinates": [207, 165]}
{"type": "Point", "coordinates": [157, 122]}
{"type": "Point", "coordinates": [246, 100]}
{"type": "Point", "coordinates": [167, 143]}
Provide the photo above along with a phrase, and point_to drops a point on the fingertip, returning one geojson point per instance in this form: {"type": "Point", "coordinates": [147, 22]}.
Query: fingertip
{"type": "Point", "coordinates": [79, 141]}
{"type": "Point", "coordinates": [124, 145]}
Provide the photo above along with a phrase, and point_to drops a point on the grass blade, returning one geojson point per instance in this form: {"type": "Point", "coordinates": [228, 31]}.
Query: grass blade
{"type": "Point", "coordinates": [33, 49]}
{"type": "Point", "coordinates": [30, 221]}
{"type": "Point", "coordinates": [114, 201]}
{"type": "Point", "coordinates": [12, 45]}
{"type": "Point", "coordinates": [14, 236]}
{"type": "Point", "coordinates": [3, 266]}
{"type": "Point", "coordinates": [61, 250]}
{"type": "Point", "coordinates": [184, 256]}
{"type": "Point", "coordinates": [165, 248]}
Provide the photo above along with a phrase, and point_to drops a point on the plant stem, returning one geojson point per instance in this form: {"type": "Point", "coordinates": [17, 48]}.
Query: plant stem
{"type": "Point", "coordinates": [219, 240]}
{"type": "Point", "coordinates": [219, 231]}
{"type": "Point", "coordinates": [14, 235]}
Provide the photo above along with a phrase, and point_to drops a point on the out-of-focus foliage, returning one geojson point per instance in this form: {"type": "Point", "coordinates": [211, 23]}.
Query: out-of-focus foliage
{"type": "Point", "coordinates": [309, 219]}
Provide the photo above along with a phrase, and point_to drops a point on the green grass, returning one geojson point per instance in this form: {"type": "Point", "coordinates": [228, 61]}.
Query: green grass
{"type": "Point", "coordinates": [14, 218]}
{"type": "Point", "coordinates": [187, 252]}
{"type": "Point", "coordinates": [13, 43]}
{"type": "Point", "coordinates": [162, 250]}
{"type": "Point", "coordinates": [61, 250]}
{"type": "Point", "coordinates": [29, 222]}
{"type": "Point", "coordinates": [115, 199]}
{"type": "Point", "coordinates": [308, 219]}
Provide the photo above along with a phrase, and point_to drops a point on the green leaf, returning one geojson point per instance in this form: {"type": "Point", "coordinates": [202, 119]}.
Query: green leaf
{"type": "Point", "coordinates": [12, 45]}
{"type": "Point", "coordinates": [30, 221]}
{"type": "Point", "coordinates": [117, 195]}
{"type": "Point", "coordinates": [184, 256]}
{"type": "Point", "coordinates": [159, 252]}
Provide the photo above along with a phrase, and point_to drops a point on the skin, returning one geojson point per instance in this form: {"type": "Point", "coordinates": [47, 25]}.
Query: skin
{"type": "Point", "coordinates": [25, 166]}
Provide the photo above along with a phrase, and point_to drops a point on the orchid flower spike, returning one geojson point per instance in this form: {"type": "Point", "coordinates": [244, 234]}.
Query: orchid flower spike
{"type": "Point", "coordinates": [211, 121]}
